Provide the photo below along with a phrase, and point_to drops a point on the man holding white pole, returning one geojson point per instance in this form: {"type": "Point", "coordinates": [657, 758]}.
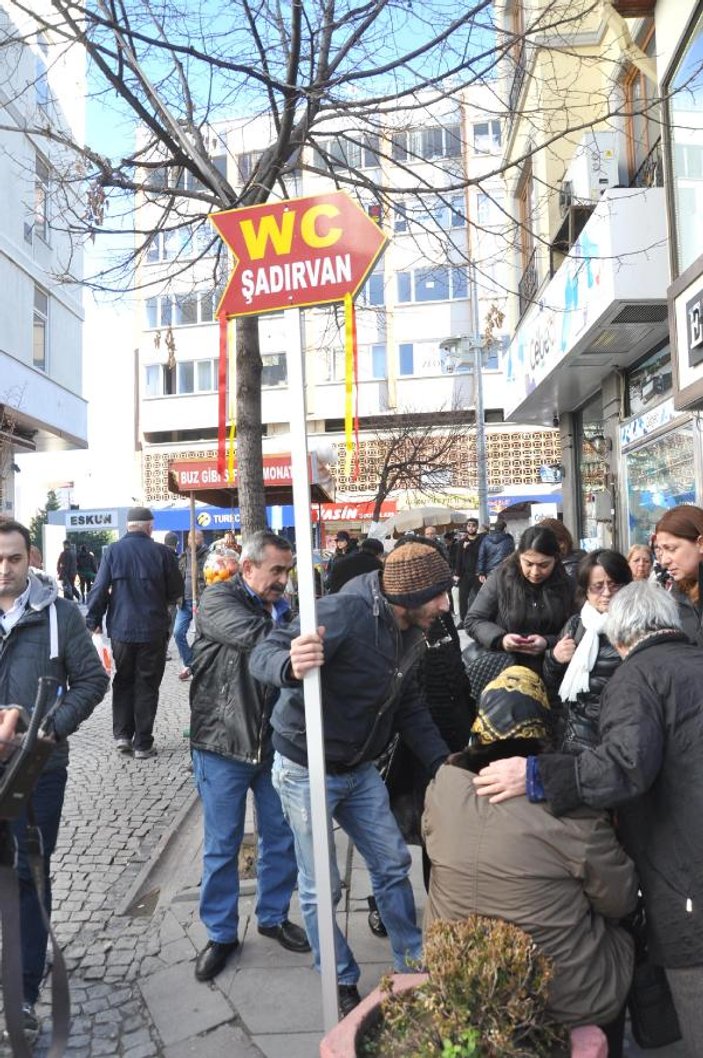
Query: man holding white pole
{"type": "Point", "coordinates": [366, 648]}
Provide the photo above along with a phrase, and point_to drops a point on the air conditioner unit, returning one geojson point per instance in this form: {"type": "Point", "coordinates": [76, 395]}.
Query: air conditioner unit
{"type": "Point", "coordinates": [593, 169]}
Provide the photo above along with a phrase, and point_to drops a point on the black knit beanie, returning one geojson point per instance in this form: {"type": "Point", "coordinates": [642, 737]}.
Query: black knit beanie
{"type": "Point", "coordinates": [414, 574]}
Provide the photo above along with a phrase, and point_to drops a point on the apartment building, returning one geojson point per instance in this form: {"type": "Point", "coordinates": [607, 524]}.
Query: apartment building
{"type": "Point", "coordinates": [418, 295]}
{"type": "Point", "coordinates": [604, 133]}
{"type": "Point", "coordinates": [42, 87]}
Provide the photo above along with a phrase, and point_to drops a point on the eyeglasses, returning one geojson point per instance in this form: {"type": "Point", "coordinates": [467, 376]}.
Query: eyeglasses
{"type": "Point", "coordinates": [601, 585]}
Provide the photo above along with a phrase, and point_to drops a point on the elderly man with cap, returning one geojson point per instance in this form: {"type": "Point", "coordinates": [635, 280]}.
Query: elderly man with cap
{"type": "Point", "coordinates": [367, 646]}
{"type": "Point", "coordinates": [136, 582]}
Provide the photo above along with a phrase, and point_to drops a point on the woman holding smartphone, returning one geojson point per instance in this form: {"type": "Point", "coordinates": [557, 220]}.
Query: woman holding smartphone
{"type": "Point", "coordinates": [525, 602]}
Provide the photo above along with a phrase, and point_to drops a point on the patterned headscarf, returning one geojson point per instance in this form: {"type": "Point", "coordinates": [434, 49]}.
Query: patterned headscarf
{"type": "Point", "coordinates": [514, 705]}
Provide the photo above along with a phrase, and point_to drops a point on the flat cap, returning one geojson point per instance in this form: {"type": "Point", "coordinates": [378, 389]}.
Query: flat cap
{"type": "Point", "coordinates": [139, 514]}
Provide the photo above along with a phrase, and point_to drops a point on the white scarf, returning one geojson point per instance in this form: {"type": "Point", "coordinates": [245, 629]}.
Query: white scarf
{"type": "Point", "coordinates": [577, 676]}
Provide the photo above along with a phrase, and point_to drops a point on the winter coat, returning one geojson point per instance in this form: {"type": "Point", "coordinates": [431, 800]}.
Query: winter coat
{"type": "Point", "coordinates": [366, 697]}
{"type": "Point", "coordinates": [184, 566]}
{"type": "Point", "coordinates": [494, 613]}
{"type": "Point", "coordinates": [67, 565]}
{"type": "Point", "coordinates": [494, 547]}
{"type": "Point", "coordinates": [229, 709]}
{"type": "Point", "coordinates": [563, 881]}
{"type": "Point", "coordinates": [346, 567]}
{"type": "Point", "coordinates": [137, 580]}
{"type": "Point", "coordinates": [25, 656]}
{"type": "Point", "coordinates": [338, 556]}
{"type": "Point", "coordinates": [691, 615]}
{"type": "Point", "coordinates": [648, 766]}
{"type": "Point", "coordinates": [581, 717]}
{"type": "Point", "coordinates": [572, 561]}
{"type": "Point", "coordinates": [467, 558]}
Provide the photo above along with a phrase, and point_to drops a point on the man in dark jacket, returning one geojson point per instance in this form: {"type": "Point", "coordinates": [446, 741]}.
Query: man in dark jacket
{"type": "Point", "coordinates": [230, 738]}
{"type": "Point", "coordinates": [66, 570]}
{"type": "Point", "coordinates": [465, 566]}
{"type": "Point", "coordinates": [367, 646]}
{"type": "Point", "coordinates": [137, 580]}
{"type": "Point", "coordinates": [345, 545]}
{"type": "Point", "coordinates": [648, 766]}
{"type": "Point", "coordinates": [41, 635]}
{"type": "Point", "coordinates": [494, 547]}
{"type": "Point", "coordinates": [364, 559]}
{"type": "Point", "coordinates": [184, 615]}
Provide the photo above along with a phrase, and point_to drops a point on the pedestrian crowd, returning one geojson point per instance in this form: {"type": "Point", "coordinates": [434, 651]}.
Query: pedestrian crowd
{"type": "Point", "coordinates": [551, 774]}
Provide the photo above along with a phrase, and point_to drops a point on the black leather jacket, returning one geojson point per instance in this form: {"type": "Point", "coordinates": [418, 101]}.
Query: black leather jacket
{"type": "Point", "coordinates": [230, 710]}
{"type": "Point", "coordinates": [580, 718]}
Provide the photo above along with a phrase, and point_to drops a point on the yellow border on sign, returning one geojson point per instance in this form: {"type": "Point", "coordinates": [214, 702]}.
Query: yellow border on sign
{"type": "Point", "coordinates": [298, 304]}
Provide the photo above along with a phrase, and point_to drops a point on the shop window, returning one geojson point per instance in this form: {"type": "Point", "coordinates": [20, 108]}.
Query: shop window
{"type": "Point", "coordinates": [660, 475]}
{"type": "Point", "coordinates": [684, 91]}
{"type": "Point", "coordinates": [40, 328]}
{"type": "Point", "coordinates": [373, 293]}
{"type": "Point", "coordinates": [592, 469]}
{"type": "Point", "coordinates": [649, 381]}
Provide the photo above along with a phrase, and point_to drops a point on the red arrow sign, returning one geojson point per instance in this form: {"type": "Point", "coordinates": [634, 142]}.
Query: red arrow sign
{"type": "Point", "coordinates": [304, 251]}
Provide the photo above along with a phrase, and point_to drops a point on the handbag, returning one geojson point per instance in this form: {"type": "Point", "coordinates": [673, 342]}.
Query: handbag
{"type": "Point", "coordinates": [653, 1018]}
{"type": "Point", "coordinates": [483, 665]}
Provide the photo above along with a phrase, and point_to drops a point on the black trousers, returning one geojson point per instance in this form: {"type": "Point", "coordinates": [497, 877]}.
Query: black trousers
{"type": "Point", "coordinates": [468, 590]}
{"type": "Point", "coordinates": [139, 669]}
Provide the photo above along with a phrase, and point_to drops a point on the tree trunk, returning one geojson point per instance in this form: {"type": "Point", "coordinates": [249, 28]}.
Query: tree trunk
{"type": "Point", "coordinates": [252, 499]}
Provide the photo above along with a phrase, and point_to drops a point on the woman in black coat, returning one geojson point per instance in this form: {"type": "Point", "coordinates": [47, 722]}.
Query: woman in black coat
{"type": "Point", "coordinates": [525, 602]}
{"type": "Point", "coordinates": [578, 666]}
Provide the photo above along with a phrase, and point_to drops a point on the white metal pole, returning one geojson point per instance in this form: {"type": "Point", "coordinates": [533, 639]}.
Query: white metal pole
{"type": "Point", "coordinates": [478, 343]}
{"type": "Point", "coordinates": [311, 683]}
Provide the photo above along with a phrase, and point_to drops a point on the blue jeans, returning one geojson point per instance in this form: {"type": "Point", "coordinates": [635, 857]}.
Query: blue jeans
{"type": "Point", "coordinates": [358, 800]}
{"type": "Point", "coordinates": [222, 785]}
{"type": "Point", "coordinates": [47, 802]}
{"type": "Point", "coordinates": [184, 615]}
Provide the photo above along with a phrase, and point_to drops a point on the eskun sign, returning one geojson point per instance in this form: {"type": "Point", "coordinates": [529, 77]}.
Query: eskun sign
{"type": "Point", "coordinates": [304, 251]}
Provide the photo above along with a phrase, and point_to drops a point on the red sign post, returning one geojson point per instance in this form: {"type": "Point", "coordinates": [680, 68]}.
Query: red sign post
{"type": "Point", "coordinates": [304, 251]}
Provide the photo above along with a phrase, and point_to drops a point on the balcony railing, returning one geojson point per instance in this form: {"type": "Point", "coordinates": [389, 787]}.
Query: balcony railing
{"type": "Point", "coordinates": [527, 287]}
{"type": "Point", "coordinates": [651, 171]}
{"type": "Point", "coordinates": [517, 83]}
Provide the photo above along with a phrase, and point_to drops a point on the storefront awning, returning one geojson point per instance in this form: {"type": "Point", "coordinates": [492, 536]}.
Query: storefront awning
{"type": "Point", "coordinates": [604, 308]}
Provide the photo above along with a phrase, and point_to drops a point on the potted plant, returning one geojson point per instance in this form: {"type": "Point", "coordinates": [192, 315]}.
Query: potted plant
{"type": "Point", "coordinates": [484, 996]}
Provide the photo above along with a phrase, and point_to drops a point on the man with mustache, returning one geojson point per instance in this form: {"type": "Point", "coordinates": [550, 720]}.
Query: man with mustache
{"type": "Point", "coordinates": [230, 737]}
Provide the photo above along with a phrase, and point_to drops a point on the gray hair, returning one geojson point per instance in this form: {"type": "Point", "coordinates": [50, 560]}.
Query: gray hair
{"type": "Point", "coordinates": [639, 609]}
{"type": "Point", "coordinates": [139, 527]}
{"type": "Point", "coordinates": [254, 548]}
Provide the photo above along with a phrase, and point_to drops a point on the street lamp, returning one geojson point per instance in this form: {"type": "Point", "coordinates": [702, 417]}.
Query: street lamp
{"type": "Point", "coordinates": [468, 350]}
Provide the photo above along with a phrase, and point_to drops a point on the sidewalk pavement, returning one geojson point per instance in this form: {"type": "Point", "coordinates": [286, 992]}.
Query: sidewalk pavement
{"type": "Point", "coordinates": [127, 869]}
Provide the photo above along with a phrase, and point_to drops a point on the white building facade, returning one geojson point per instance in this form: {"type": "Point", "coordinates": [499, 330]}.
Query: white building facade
{"type": "Point", "coordinates": [42, 87]}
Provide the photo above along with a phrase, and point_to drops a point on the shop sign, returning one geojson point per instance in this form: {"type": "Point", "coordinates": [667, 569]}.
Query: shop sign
{"type": "Point", "coordinates": [686, 329]}
{"type": "Point", "coordinates": [195, 474]}
{"type": "Point", "coordinates": [352, 512]}
{"type": "Point", "coordinates": [82, 521]}
{"type": "Point", "coordinates": [646, 424]}
{"type": "Point", "coordinates": [303, 251]}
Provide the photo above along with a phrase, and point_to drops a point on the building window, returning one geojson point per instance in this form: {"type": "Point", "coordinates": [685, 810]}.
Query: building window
{"type": "Point", "coordinates": [351, 150]}
{"type": "Point", "coordinates": [275, 369]}
{"type": "Point", "coordinates": [684, 92]}
{"type": "Point", "coordinates": [649, 381]}
{"type": "Point", "coordinates": [41, 198]}
{"type": "Point", "coordinates": [432, 284]}
{"type": "Point", "coordinates": [40, 331]}
{"type": "Point", "coordinates": [527, 286]}
{"type": "Point", "coordinates": [432, 211]}
{"type": "Point", "coordinates": [487, 138]}
{"type": "Point", "coordinates": [426, 144]}
{"type": "Point", "coordinates": [192, 376]}
{"type": "Point", "coordinates": [406, 365]}
{"type": "Point", "coordinates": [378, 361]}
{"type": "Point", "coordinates": [374, 290]}
{"type": "Point", "coordinates": [182, 310]}
{"type": "Point", "coordinates": [154, 380]}
{"type": "Point", "coordinates": [642, 124]}
{"type": "Point", "coordinates": [334, 362]}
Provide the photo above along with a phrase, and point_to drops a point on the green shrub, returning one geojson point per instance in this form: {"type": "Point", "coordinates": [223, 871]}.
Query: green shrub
{"type": "Point", "coordinates": [485, 998]}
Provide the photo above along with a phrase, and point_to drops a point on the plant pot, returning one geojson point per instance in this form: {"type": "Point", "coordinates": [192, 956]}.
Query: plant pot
{"type": "Point", "coordinates": [340, 1042]}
